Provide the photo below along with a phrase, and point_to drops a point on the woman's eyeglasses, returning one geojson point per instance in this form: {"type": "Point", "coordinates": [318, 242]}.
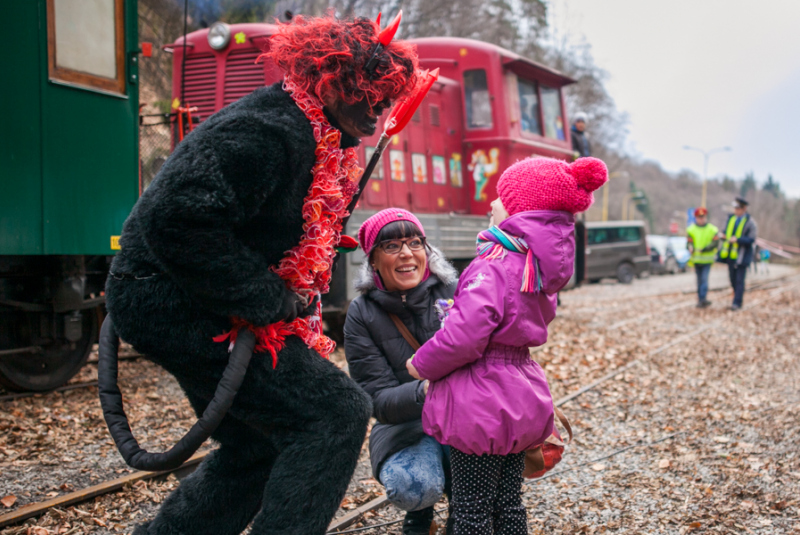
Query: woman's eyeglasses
{"type": "Point", "coordinates": [395, 246]}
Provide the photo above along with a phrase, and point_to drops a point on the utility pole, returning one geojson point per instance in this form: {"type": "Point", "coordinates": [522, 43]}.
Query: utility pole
{"type": "Point", "coordinates": [706, 154]}
{"type": "Point", "coordinates": [606, 187]}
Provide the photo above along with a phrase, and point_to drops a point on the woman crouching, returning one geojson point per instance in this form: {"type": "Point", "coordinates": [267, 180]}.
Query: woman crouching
{"type": "Point", "coordinates": [403, 276]}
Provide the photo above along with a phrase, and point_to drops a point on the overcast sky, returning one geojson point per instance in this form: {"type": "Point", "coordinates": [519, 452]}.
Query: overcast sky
{"type": "Point", "coordinates": [705, 73]}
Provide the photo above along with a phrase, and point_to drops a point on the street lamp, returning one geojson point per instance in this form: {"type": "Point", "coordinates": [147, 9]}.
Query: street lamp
{"type": "Point", "coordinates": [606, 187]}
{"type": "Point", "coordinates": [706, 154]}
{"type": "Point", "coordinates": [637, 201]}
{"type": "Point", "coordinates": [636, 195]}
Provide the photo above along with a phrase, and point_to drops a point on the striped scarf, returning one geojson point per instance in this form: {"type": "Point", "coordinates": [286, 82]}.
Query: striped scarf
{"type": "Point", "coordinates": [493, 244]}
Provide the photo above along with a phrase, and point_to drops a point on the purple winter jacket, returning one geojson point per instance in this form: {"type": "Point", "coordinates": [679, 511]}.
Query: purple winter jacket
{"type": "Point", "coordinates": [487, 395]}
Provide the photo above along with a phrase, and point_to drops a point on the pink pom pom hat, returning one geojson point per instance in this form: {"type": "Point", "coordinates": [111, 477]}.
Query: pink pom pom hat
{"type": "Point", "coordinates": [549, 184]}
{"type": "Point", "coordinates": [372, 226]}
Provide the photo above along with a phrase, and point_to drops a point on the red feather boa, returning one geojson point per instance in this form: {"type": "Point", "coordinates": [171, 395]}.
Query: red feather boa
{"type": "Point", "coordinates": [306, 268]}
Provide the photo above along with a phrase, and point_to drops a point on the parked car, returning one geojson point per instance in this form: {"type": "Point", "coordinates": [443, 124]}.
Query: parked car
{"type": "Point", "coordinates": [616, 249]}
{"type": "Point", "coordinates": [682, 254]}
{"type": "Point", "coordinates": [661, 258]}
{"type": "Point", "coordinates": [668, 254]}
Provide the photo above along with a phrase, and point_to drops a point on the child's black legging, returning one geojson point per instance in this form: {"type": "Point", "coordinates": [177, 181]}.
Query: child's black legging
{"type": "Point", "coordinates": [487, 494]}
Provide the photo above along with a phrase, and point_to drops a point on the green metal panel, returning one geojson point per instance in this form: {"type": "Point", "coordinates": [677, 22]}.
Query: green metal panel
{"type": "Point", "coordinates": [90, 170]}
{"type": "Point", "coordinates": [20, 146]}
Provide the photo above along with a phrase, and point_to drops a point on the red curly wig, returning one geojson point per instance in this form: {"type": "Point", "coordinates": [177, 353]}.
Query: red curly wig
{"type": "Point", "coordinates": [324, 56]}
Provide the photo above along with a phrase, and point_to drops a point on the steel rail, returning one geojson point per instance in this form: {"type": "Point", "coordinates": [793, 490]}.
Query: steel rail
{"type": "Point", "coordinates": [35, 509]}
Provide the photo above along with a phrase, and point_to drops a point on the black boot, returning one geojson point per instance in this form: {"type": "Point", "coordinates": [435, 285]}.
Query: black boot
{"type": "Point", "coordinates": [418, 522]}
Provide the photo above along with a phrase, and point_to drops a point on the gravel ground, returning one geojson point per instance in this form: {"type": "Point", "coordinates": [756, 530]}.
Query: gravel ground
{"type": "Point", "coordinates": [710, 423]}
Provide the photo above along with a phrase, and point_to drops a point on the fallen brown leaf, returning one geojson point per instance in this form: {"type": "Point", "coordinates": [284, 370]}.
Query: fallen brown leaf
{"type": "Point", "coordinates": [9, 500]}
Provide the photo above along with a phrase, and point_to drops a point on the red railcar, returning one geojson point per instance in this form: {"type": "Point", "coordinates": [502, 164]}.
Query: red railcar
{"type": "Point", "coordinates": [490, 108]}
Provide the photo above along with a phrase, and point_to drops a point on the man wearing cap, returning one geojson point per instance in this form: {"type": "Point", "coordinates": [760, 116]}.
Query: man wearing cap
{"type": "Point", "coordinates": [702, 242]}
{"type": "Point", "coordinates": [737, 248]}
{"type": "Point", "coordinates": [580, 141]}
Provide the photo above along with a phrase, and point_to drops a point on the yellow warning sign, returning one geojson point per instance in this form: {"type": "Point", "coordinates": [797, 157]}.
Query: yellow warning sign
{"type": "Point", "coordinates": [115, 243]}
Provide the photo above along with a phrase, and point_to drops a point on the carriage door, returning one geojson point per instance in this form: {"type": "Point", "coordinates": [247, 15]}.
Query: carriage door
{"type": "Point", "coordinates": [418, 158]}
{"type": "Point", "coordinates": [399, 162]}
{"type": "Point", "coordinates": [435, 142]}
{"type": "Point", "coordinates": [451, 133]}
{"type": "Point", "coordinates": [89, 103]}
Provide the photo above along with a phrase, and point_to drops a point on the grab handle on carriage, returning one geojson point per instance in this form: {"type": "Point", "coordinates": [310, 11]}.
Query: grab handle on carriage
{"type": "Point", "coordinates": [117, 420]}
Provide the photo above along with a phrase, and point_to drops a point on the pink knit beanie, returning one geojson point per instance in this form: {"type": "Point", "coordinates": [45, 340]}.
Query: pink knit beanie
{"type": "Point", "coordinates": [371, 227]}
{"type": "Point", "coordinates": [549, 184]}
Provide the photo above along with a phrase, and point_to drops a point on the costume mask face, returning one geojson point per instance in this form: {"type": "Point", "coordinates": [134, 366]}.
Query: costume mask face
{"type": "Point", "coordinates": [356, 119]}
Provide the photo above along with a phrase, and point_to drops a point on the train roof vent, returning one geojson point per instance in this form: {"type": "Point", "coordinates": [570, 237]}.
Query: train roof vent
{"type": "Point", "coordinates": [200, 77]}
{"type": "Point", "coordinates": [242, 75]}
{"type": "Point", "coordinates": [434, 115]}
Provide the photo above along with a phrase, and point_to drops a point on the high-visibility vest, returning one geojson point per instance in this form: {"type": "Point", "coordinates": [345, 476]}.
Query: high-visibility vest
{"type": "Point", "coordinates": [701, 238]}
{"type": "Point", "coordinates": [731, 250]}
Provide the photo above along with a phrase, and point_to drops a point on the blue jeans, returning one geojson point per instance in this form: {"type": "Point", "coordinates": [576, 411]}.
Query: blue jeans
{"type": "Point", "coordinates": [415, 477]}
{"type": "Point", "coordinates": [702, 271]}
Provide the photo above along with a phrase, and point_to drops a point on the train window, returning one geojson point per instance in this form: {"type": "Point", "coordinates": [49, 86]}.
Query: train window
{"type": "Point", "coordinates": [477, 102]}
{"type": "Point", "coordinates": [439, 170]}
{"type": "Point", "coordinates": [551, 106]}
{"type": "Point", "coordinates": [86, 43]}
{"type": "Point", "coordinates": [419, 168]}
{"type": "Point", "coordinates": [417, 117]}
{"type": "Point", "coordinates": [396, 158]}
{"type": "Point", "coordinates": [529, 107]}
{"type": "Point", "coordinates": [377, 174]}
{"type": "Point", "coordinates": [455, 170]}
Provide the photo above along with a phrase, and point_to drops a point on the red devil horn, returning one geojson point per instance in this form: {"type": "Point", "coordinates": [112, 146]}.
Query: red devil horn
{"type": "Point", "coordinates": [378, 20]}
{"type": "Point", "coordinates": [386, 36]}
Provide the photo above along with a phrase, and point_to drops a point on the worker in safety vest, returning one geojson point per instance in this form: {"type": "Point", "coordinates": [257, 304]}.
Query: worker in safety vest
{"type": "Point", "coordinates": [737, 248]}
{"type": "Point", "coordinates": [702, 242]}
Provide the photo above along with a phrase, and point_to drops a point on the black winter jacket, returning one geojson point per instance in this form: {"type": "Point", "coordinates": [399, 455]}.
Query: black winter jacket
{"type": "Point", "coordinates": [377, 353]}
{"type": "Point", "coordinates": [580, 143]}
{"type": "Point", "coordinates": [225, 207]}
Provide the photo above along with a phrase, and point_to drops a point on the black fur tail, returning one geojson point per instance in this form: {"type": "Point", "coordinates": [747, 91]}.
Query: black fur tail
{"type": "Point", "coordinates": [117, 421]}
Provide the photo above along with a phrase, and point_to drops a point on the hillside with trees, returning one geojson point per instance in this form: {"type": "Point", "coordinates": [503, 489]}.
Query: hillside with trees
{"type": "Point", "coordinates": [521, 26]}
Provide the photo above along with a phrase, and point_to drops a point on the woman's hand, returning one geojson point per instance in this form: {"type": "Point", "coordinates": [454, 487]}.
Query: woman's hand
{"type": "Point", "coordinates": [412, 370]}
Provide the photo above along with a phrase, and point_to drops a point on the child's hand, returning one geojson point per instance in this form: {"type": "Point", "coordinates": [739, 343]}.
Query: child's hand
{"type": "Point", "coordinates": [412, 370]}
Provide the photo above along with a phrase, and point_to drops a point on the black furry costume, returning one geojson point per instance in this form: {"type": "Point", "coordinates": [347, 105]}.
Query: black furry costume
{"type": "Point", "coordinates": [223, 209]}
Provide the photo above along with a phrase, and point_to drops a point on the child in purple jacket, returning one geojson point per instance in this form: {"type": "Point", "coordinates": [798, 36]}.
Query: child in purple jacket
{"type": "Point", "coordinates": [488, 399]}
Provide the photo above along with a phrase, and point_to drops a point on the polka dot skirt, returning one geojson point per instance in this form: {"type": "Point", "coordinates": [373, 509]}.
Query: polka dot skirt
{"type": "Point", "coordinates": [487, 494]}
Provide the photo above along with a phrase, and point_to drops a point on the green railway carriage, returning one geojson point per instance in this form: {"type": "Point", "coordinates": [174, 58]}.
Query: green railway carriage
{"type": "Point", "coordinates": [69, 176]}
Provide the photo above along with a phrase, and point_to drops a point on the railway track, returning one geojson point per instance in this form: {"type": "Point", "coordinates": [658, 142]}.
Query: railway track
{"type": "Point", "coordinates": [65, 388]}
{"type": "Point", "coordinates": [340, 525]}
